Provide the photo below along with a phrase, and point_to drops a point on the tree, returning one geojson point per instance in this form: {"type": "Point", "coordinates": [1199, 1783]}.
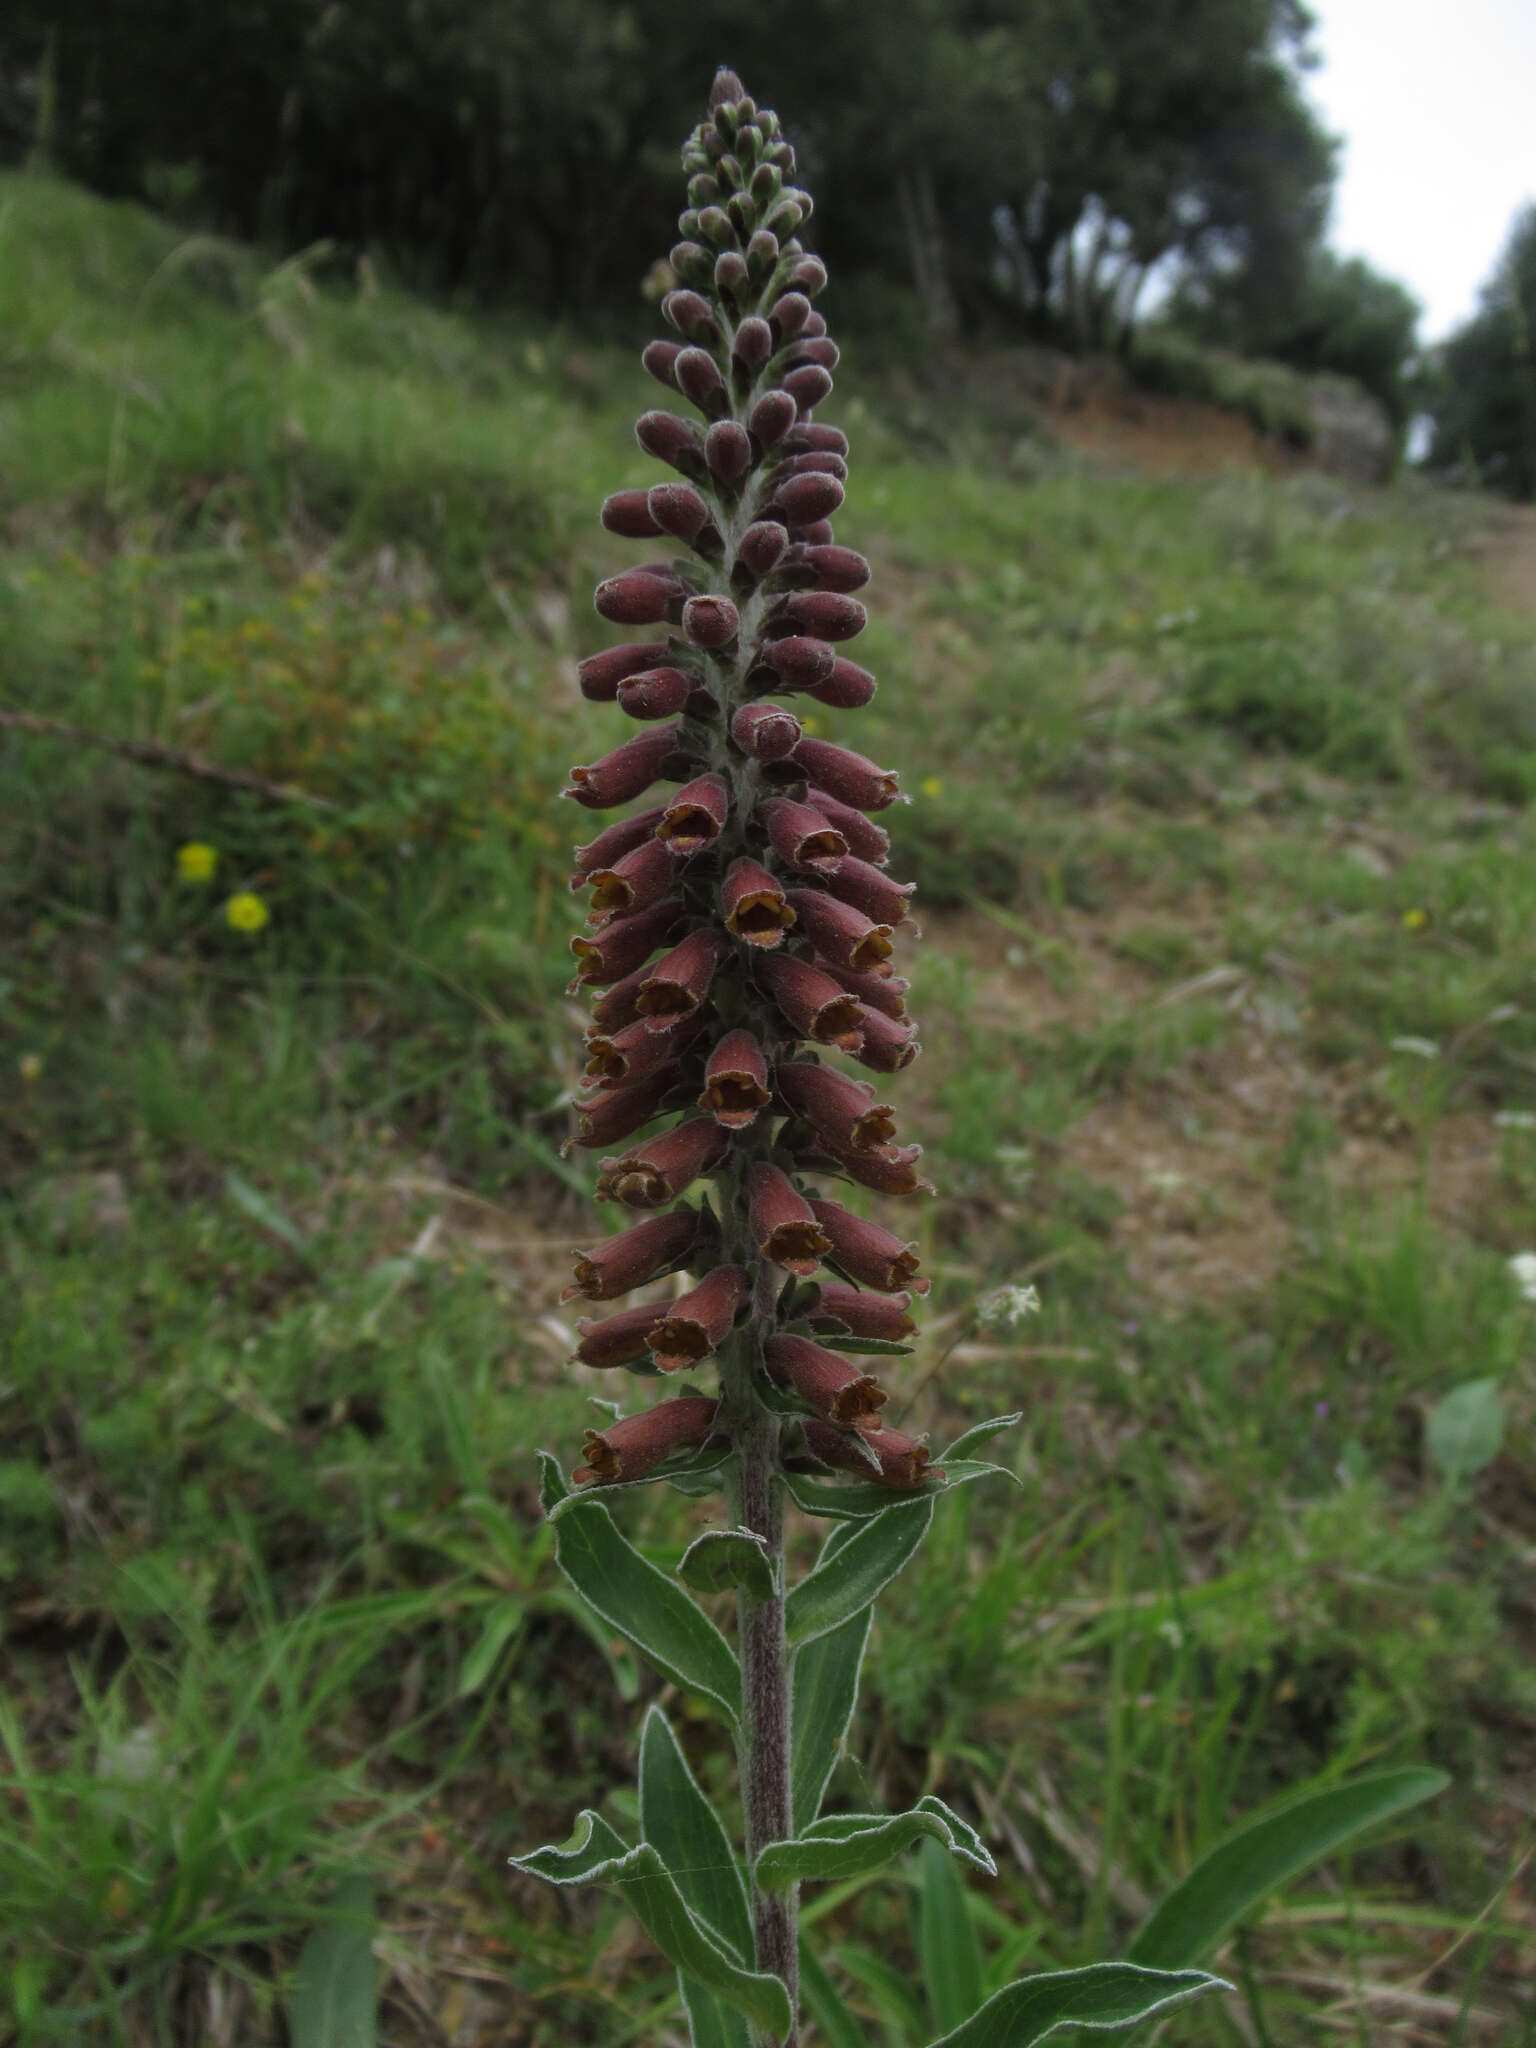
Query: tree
{"type": "Point", "coordinates": [1485, 377]}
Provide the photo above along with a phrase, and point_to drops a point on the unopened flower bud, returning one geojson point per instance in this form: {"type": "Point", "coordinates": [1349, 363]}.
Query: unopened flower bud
{"type": "Point", "coordinates": [807, 436]}
{"type": "Point", "coordinates": [819, 349]}
{"type": "Point", "coordinates": [867, 1252]}
{"type": "Point", "coordinates": [902, 1460]}
{"type": "Point", "coordinates": [845, 937]}
{"type": "Point", "coordinates": [789, 314]}
{"type": "Point", "coordinates": [692, 264]}
{"type": "Point", "coordinates": [826, 1382]}
{"type": "Point", "coordinates": [765, 731]}
{"type": "Point", "coordinates": [627, 513]}
{"type": "Point", "coordinates": [696, 815]}
{"type": "Point", "coordinates": [617, 1340]}
{"type": "Point", "coordinates": [714, 224]}
{"type": "Point", "coordinates": [601, 674]}
{"type": "Point", "coordinates": [741, 212]}
{"type": "Point", "coordinates": [637, 1444]}
{"type": "Point", "coordinates": [736, 1081]}
{"type": "Point", "coordinates": [677, 509]}
{"type": "Point", "coordinates": [800, 499]}
{"type": "Point", "coordinates": [809, 276]}
{"type": "Point", "coordinates": [733, 280]}
{"type": "Point", "coordinates": [753, 344]}
{"type": "Point", "coordinates": [690, 315]}
{"type": "Point", "coordinates": [658, 357]}
{"type": "Point", "coordinates": [698, 1323]}
{"type": "Point", "coordinates": [625, 944]}
{"type": "Point", "coordinates": [613, 1114]}
{"type": "Point", "coordinates": [784, 216]}
{"type": "Point", "coordinates": [807, 387]}
{"type": "Point", "coordinates": [633, 1257]}
{"type": "Point", "coordinates": [824, 614]}
{"type": "Point", "coordinates": [638, 597]}
{"type": "Point", "coordinates": [781, 1222]}
{"type": "Point", "coordinates": [656, 692]}
{"type": "Point", "coordinates": [625, 773]}
{"type": "Point", "coordinates": [801, 835]}
{"type": "Point", "coordinates": [850, 777]}
{"type": "Point", "coordinates": [811, 462]}
{"type": "Point", "coordinates": [762, 255]}
{"type": "Point", "coordinates": [710, 621]}
{"type": "Point", "coordinates": [871, 890]}
{"type": "Point", "coordinates": [816, 324]}
{"type": "Point", "coordinates": [680, 980]}
{"type": "Point", "coordinates": [767, 181]}
{"type": "Point", "coordinates": [842, 1111]}
{"type": "Point", "coordinates": [813, 1004]}
{"type": "Point", "coordinates": [656, 1172]}
{"type": "Point", "coordinates": [843, 569]}
{"type": "Point", "coordinates": [799, 662]}
{"type": "Point", "coordinates": [861, 1314]}
{"type": "Point", "coordinates": [848, 687]}
{"type": "Point", "coordinates": [754, 904]}
{"type": "Point", "coordinates": [671, 440]}
{"type": "Point", "coordinates": [818, 534]}
{"type": "Point", "coordinates": [772, 417]}
{"type": "Point", "coordinates": [698, 377]}
{"type": "Point", "coordinates": [760, 547]}
{"type": "Point", "coordinates": [728, 451]}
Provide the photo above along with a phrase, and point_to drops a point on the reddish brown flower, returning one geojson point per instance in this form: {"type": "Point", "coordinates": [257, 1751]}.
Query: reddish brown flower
{"type": "Point", "coordinates": [623, 945]}
{"type": "Point", "coordinates": [625, 773]}
{"type": "Point", "coordinates": [680, 980]}
{"type": "Point", "coordinates": [799, 662]}
{"type": "Point", "coordinates": [627, 513]}
{"type": "Point", "coordinates": [637, 1444]}
{"type": "Point", "coordinates": [845, 687]}
{"type": "Point", "coordinates": [653, 1173]}
{"type": "Point", "coordinates": [823, 614]}
{"type": "Point", "coordinates": [884, 992]}
{"type": "Point", "coordinates": [620, 1339]}
{"type": "Point", "coordinates": [679, 510]}
{"type": "Point", "coordinates": [850, 777]}
{"type": "Point", "coordinates": [765, 731]}
{"type": "Point", "coordinates": [888, 1169]}
{"type": "Point", "coordinates": [800, 499]}
{"type": "Point", "coordinates": [814, 1005]}
{"type": "Point", "coordinates": [867, 1252]}
{"type": "Point", "coordinates": [613, 842]}
{"type": "Point", "coordinates": [772, 416]}
{"type": "Point", "coordinates": [782, 1222]}
{"type": "Point", "coordinates": [835, 568]}
{"type": "Point", "coordinates": [843, 936]}
{"type": "Point", "coordinates": [634, 883]}
{"type": "Point", "coordinates": [671, 440]}
{"type": "Point", "coordinates": [802, 836]}
{"type": "Point", "coordinates": [629, 1055]}
{"type": "Point", "coordinates": [902, 1461]}
{"type": "Point", "coordinates": [867, 841]}
{"type": "Point", "coordinates": [629, 1260]}
{"type": "Point", "coordinates": [760, 547]}
{"type": "Point", "coordinates": [656, 693]}
{"type": "Point", "coordinates": [727, 451]}
{"type": "Point", "coordinates": [862, 1314]}
{"type": "Point", "coordinates": [842, 1111]}
{"type": "Point", "coordinates": [601, 674]}
{"type": "Point", "coordinates": [755, 907]}
{"type": "Point", "coordinates": [870, 890]}
{"type": "Point", "coordinates": [640, 597]}
{"type": "Point", "coordinates": [823, 1379]}
{"type": "Point", "coordinates": [887, 1046]}
{"type": "Point", "coordinates": [697, 1323]}
{"type": "Point", "coordinates": [710, 621]}
{"type": "Point", "coordinates": [613, 1114]}
{"type": "Point", "coordinates": [736, 1081]}
{"type": "Point", "coordinates": [696, 815]}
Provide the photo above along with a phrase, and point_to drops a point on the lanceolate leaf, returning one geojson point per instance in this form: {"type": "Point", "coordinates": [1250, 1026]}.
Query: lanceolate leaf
{"type": "Point", "coordinates": [981, 1433]}
{"type": "Point", "coordinates": [946, 1941]}
{"type": "Point", "coordinates": [1232, 1880]}
{"type": "Point", "coordinates": [710, 2023]}
{"type": "Point", "coordinates": [841, 1587]}
{"type": "Point", "coordinates": [690, 1838]}
{"type": "Point", "coordinates": [596, 1855]}
{"type": "Point", "coordinates": [883, 1347]}
{"type": "Point", "coordinates": [722, 1560]}
{"type": "Point", "coordinates": [848, 1845]}
{"type": "Point", "coordinates": [824, 1687]}
{"type": "Point", "coordinates": [1103, 1995]}
{"type": "Point", "coordinates": [642, 1604]}
{"type": "Point", "coordinates": [552, 1486]}
{"type": "Point", "coordinates": [860, 1503]}
{"type": "Point", "coordinates": [335, 2002]}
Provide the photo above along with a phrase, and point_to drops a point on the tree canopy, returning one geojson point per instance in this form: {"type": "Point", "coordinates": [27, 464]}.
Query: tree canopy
{"type": "Point", "coordinates": [1485, 378]}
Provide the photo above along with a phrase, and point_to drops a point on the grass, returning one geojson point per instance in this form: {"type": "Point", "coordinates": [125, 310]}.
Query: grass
{"type": "Point", "coordinates": [1222, 826]}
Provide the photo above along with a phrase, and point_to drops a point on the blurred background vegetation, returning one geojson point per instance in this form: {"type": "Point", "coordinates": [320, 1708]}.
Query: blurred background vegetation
{"type": "Point", "coordinates": [316, 360]}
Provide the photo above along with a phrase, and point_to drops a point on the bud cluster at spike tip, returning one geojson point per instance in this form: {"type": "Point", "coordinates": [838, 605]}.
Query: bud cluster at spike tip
{"type": "Point", "coordinates": [741, 921]}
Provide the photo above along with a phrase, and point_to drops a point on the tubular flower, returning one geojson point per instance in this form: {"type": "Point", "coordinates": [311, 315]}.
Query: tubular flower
{"type": "Point", "coordinates": [744, 916]}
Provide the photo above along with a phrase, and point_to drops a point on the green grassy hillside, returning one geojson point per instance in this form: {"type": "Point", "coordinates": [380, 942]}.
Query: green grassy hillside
{"type": "Point", "coordinates": [1223, 824]}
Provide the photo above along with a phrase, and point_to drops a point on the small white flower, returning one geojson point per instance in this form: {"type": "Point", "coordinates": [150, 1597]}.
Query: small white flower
{"type": "Point", "coordinates": [1009, 1305]}
{"type": "Point", "coordinates": [1515, 1120]}
{"type": "Point", "coordinates": [1421, 1048]}
{"type": "Point", "coordinates": [1523, 1267]}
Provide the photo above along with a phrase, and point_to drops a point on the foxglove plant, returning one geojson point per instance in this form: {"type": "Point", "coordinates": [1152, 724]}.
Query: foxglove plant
{"type": "Point", "coordinates": [740, 930]}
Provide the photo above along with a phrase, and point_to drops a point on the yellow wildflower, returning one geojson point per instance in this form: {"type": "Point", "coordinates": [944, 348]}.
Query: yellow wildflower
{"type": "Point", "coordinates": [246, 912]}
{"type": "Point", "coordinates": [196, 862]}
{"type": "Point", "coordinates": [931, 785]}
{"type": "Point", "coordinates": [30, 1067]}
{"type": "Point", "coordinates": [1415, 920]}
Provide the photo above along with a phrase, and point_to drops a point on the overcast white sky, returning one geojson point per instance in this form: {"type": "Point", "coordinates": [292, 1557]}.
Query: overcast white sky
{"type": "Point", "coordinates": [1436, 102]}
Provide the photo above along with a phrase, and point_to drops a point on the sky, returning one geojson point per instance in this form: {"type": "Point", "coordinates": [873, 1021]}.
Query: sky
{"type": "Point", "coordinates": [1436, 102]}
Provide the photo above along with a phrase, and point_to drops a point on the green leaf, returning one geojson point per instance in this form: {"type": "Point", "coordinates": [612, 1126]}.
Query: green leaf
{"type": "Point", "coordinates": [1103, 1995]}
{"type": "Point", "coordinates": [552, 1486]}
{"type": "Point", "coordinates": [883, 1347]}
{"type": "Point", "coordinates": [835, 2023]}
{"type": "Point", "coordinates": [824, 1687]}
{"type": "Point", "coordinates": [711, 2024]}
{"type": "Point", "coordinates": [721, 1560]}
{"type": "Point", "coordinates": [855, 1844]}
{"type": "Point", "coordinates": [845, 1585]}
{"type": "Point", "coordinates": [596, 1855]}
{"type": "Point", "coordinates": [982, 1433]}
{"type": "Point", "coordinates": [858, 1503]}
{"type": "Point", "coordinates": [501, 1624]}
{"type": "Point", "coordinates": [1465, 1430]}
{"type": "Point", "coordinates": [690, 1838]}
{"type": "Point", "coordinates": [1266, 1853]}
{"type": "Point", "coordinates": [642, 1604]}
{"type": "Point", "coordinates": [946, 1940]}
{"type": "Point", "coordinates": [260, 1210]}
{"type": "Point", "coordinates": [336, 1995]}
